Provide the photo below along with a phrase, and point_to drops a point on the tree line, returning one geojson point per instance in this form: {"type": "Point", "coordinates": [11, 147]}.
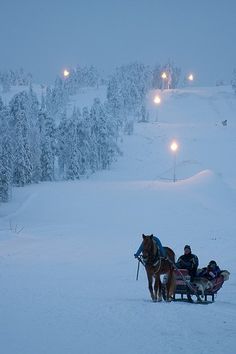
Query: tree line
{"type": "Point", "coordinates": [40, 141]}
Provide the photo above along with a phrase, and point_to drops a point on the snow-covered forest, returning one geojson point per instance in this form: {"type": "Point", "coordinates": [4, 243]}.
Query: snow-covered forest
{"type": "Point", "coordinates": [42, 140]}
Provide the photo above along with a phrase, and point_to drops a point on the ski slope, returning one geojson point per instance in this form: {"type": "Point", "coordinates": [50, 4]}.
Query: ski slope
{"type": "Point", "coordinates": [66, 248]}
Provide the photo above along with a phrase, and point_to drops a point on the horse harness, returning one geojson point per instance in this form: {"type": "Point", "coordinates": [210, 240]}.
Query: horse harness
{"type": "Point", "coordinates": [157, 259]}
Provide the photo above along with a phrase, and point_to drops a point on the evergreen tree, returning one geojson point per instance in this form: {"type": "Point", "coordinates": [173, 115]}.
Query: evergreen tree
{"type": "Point", "coordinates": [47, 145]}
{"type": "Point", "coordinates": [62, 134]}
{"type": "Point", "coordinates": [156, 77]}
{"type": "Point", "coordinates": [22, 169]}
{"type": "Point", "coordinates": [34, 135]}
{"type": "Point", "coordinates": [47, 160]}
{"type": "Point", "coordinates": [5, 170]}
{"type": "Point", "coordinates": [89, 151]}
{"type": "Point", "coordinates": [72, 162]}
{"type": "Point", "coordinates": [104, 134]}
{"type": "Point", "coordinates": [1, 104]}
{"type": "Point", "coordinates": [5, 155]}
{"type": "Point", "coordinates": [127, 89]}
{"type": "Point", "coordinates": [6, 85]}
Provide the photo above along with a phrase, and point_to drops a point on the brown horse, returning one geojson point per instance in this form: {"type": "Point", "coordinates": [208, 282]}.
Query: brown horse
{"type": "Point", "coordinates": [156, 266]}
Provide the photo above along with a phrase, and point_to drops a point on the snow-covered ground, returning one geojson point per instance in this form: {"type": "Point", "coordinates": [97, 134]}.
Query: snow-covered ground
{"type": "Point", "coordinates": [68, 277]}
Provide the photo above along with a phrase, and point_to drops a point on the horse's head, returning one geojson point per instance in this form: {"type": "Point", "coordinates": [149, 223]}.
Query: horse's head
{"type": "Point", "coordinates": [149, 249]}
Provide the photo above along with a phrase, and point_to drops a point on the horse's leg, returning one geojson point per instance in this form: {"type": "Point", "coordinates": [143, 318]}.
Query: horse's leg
{"type": "Point", "coordinates": [149, 276]}
{"type": "Point", "coordinates": [159, 289]}
{"type": "Point", "coordinates": [155, 288]}
{"type": "Point", "coordinates": [170, 286]}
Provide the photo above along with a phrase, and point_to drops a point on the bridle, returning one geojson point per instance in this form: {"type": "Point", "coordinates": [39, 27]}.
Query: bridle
{"type": "Point", "coordinates": [150, 256]}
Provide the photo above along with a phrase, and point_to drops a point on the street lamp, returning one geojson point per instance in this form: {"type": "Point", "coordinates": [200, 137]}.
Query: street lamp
{"type": "Point", "coordinates": [164, 77]}
{"type": "Point", "coordinates": [157, 101]}
{"type": "Point", "coordinates": [190, 77]}
{"type": "Point", "coordinates": [66, 73]}
{"type": "Point", "coordinates": [174, 147]}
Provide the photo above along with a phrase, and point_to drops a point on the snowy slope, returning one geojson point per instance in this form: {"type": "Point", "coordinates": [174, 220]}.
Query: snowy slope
{"type": "Point", "coordinates": [68, 277]}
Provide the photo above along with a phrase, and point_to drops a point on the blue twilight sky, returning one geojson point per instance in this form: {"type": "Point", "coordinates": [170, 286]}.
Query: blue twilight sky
{"type": "Point", "coordinates": [44, 36]}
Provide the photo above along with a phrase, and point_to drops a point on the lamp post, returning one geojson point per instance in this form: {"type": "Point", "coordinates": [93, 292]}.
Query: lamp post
{"type": "Point", "coordinates": [174, 147]}
{"type": "Point", "coordinates": [157, 101]}
{"type": "Point", "coordinates": [164, 77]}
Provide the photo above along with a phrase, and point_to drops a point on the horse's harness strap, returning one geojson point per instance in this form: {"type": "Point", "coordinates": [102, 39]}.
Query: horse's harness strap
{"type": "Point", "coordinates": [158, 263]}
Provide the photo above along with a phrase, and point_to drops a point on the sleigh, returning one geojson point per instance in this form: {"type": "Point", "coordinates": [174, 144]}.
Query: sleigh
{"type": "Point", "coordinates": [200, 287]}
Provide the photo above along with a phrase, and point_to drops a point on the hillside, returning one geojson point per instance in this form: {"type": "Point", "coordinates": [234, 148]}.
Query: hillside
{"type": "Point", "coordinates": [67, 268]}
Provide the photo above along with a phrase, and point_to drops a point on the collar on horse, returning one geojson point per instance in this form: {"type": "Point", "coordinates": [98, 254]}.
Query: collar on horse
{"type": "Point", "coordinates": [156, 256]}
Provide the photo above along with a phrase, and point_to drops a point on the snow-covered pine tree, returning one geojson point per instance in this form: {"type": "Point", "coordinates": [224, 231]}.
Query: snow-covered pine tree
{"type": "Point", "coordinates": [56, 98]}
{"type": "Point", "coordinates": [115, 99]}
{"type": "Point", "coordinates": [112, 135]}
{"type": "Point", "coordinates": [83, 134]}
{"type": "Point", "coordinates": [104, 134]}
{"type": "Point", "coordinates": [73, 158]}
{"type": "Point", "coordinates": [34, 134]}
{"type": "Point", "coordinates": [87, 147]}
{"type": "Point", "coordinates": [47, 145]}
{"type": "Point", "coordinates": [5, 155]}
{"type": "Point", "coordinates": [22, 166]}
{"type": "Point", "coordinates": [62, 134]}
{"type": "Point", "coordinates": [5, 81]}
{"type": "Point", "coordinates": [47, 160]}
{"type": "Point", "coordinates": [61, 96]}
{"type": "Point", "coordinates": [156, 77]}
{"type": "Point", "coordinates": [1, 104]}
{"type": "Point", "coordinates": [96, 118]}
{"type": "Point", "coordinates": [127, 89]}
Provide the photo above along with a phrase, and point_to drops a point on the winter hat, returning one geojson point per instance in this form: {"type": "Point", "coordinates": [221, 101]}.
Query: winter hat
{"type": "Point", "coordinates": [187, 247]}
{"type": "Point", "coordinates": [212, 263]}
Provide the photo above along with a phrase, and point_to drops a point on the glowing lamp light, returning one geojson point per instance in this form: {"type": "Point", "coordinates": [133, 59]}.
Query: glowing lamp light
{"type": "Point", "coordinates": [157, 99]}
{"type": "Point", "coordinates": [164, 76]}
{"type": "Point", "coordinates": [190, 77]}
{"type": "Point", "coordinates": [66, 73]}
{"type": "Point", "coordinates": [174, 146]}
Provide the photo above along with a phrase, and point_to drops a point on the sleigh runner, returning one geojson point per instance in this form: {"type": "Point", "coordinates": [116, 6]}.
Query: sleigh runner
{"type": "Point", "coordinates": [200, 286]}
